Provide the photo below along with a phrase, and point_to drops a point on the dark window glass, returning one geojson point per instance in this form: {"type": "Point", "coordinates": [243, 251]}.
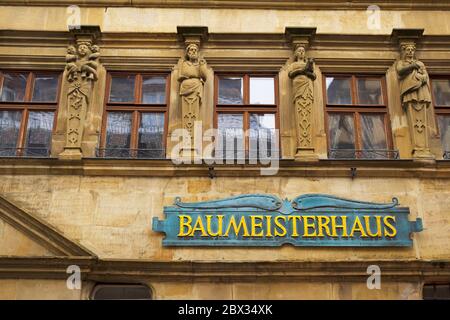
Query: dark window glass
{"type": "Point", "coordinates": [262, 90]}
{"type": "Point", "coordinates": [13, 87]}
{"type": "Point", "coordinates": [369, 91]}
{"type": "Point", "coordinates": [231, 143]}
{"type": "Point", "coordinates": [122, 89]}
{"type": "Point", "coordinates": [444, 129]}
{"type": "Point", "coordinates": [338, 90]}
{"type": "Point", "coordinates": [121, 292]}
{"type": "Point", "coordinates": [154, 90]}
{"type": "Point", "coordinates": [118, 134]}
{"type": "Point", "coordinates": [231, 90]}
{"type": "Point", "coordinates": [9, 131]}
{"type": "Point", "coordinates": [39, 133]}
{"type": "Point", "coordinates": [441, 92]}
{"type": "Point", "coordinates": [262, 130]}
{"type": "Point", "coordinates": [45, 88]}
{"type": "Point", "coordinates": [373, 132]}
{"type": "Point", "coordinates": [151, 135]}
{"type": "Point", "coordinates": [436, 292]}
{"type": "Point", "coordinates": [342, 135]}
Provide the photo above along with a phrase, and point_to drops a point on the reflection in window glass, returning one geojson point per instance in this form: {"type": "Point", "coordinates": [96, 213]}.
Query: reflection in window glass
{"type": "Point", "coordinates": [262, 130]}
{"type": "Point", "coordinates": [444, 129]}
{"type": "Point", "coordinates": [9, 131]}
{"type": "Point", "coordinates": [154, 90]}
{"type": "Point", "coordinates": [39, 133]}
{"type": "Point", "coordinates": [441, 92]}
{"type": "Point", "coordinates": [262, 91]}
{"type": "Point", "coordinates": [122, 89]}
{"type": "Point", "coordinates": [338, 91]}
{"type": "Point", "coordinates": [231, 90]}
{"type": "Point", "coordinates": [373, 135]}
{"type": "Point", "coordinates": [342, 135]}
{"type": "Point", "coordinates": [13, 88]}
{"type": "Point", "coordinates": [45, 88]}
{"type": "Point", "coordinates": [231, 133]}
{"type": "Point", "coordinates": [151, 133]}
{"type": "Point", "coordinates": [369, 91]}
{"type": "Point", "coordinates": [118, 134]}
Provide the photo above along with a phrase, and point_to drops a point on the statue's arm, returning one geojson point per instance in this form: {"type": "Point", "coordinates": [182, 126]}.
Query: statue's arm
{"type": "Point", "coordinates": [203, 70]}
{"type": "Point", "coordinates": [403, 70]}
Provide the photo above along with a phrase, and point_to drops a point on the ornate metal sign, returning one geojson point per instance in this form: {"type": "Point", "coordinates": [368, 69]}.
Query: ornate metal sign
{"type": "Point", "coordinates": [266, 220]}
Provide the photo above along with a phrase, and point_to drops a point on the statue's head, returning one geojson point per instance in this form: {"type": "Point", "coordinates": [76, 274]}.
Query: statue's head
{"type": "Point", "coordinates": [71, 50]}
{"type": "Point", "coordinates": [300, 52]}
{"type": "Point", "coordinates": [408, 51]}
{"type": "Point", "coordinates": [95, 48]}
{"type": "Point", "coordinates": [192, 52]}
{"type": "Point", "coordinates": [83, 49]}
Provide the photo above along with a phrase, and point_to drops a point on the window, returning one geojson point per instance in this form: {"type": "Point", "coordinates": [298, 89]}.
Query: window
{"type": "Point", "coordinates": [246, 115]}
{"type": "Point", "coordinates": [436, 292]}
{"type": "Point", "coordinates": [441, 100]}
{"type": "Point", "coordinates": [357, 117]}
{"type": "Point", "coordinates": [134, 124]}
{"type": "Point", "coordinates": [28, 102]}
{"type": "Point", "coordinates": [121, 292]}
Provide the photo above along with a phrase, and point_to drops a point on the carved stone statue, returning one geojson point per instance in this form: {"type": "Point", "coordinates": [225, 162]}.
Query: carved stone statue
{"type": "Point", "coordinates": [301, 71]}
{"type": "Point", "coordinates": [81, 72]}
{"type": "Point", "coordinates": [416, 98]}
{"type": "Point", "coordinates": [192, 77]}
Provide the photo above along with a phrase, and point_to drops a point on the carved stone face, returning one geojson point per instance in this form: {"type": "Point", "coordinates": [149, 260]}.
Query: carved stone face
{"type": "Point", "coordinates": [409, 52]}
{"type": "Point", "coordinates": [300, 53]}
{"type": "Point", "coordinates": [192, 53]}
{"type": "Point", "coordinates": [83, 50]}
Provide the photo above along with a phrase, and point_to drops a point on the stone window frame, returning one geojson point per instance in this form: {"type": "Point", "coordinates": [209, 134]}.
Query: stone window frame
{"type": "Point", "coordinates": [136, 108]}
{"type": "Point", "coordinates": [246, 108]}
{"type": "Point", "coordinates": [357, 109]}
{"type": "Point", "coordinates": [28, 105]}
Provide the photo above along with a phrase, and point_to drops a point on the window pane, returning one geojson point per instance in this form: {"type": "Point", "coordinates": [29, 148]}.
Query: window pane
{"type": "Point", "coordinates": [231, 90]}
{"type": "Point", "coordinates": [373, 136]}
{"type": "Point", "coordinates": [262, 134]}
{"type": "Point", "coordinates": [444, 129]}
{"type": "Point", "coordinates": [369, 91]}
{"type": "Point", "coordinates": [122, 89]}
{"type": "Point", "coordinates": [231, 132]}
{"type": "Point", "coordinates": [118, 134]}
{"type": "Point", "coordinates": [342, 135]}
{"type": "Point", "coordinates": [262, 91]}
{"type": "Point", "coordinates": [45, 88]}
{"type": "Point", "coordinates": [441, 92]}
{"type": "Point", "coordinates": [121, 292]}
{"type": "Point", "coordinates": [39, 133]}
{"type": "Point", "coordinates": [154, 90]}
{"type": "Point", "coordinates": [338, 91]}
{"type": "Point", "coordinates": [9, 131]}
{"type": "Point", "coordinates": [13, 88]}
{"type": "Point", "coordinates": [151, 135]}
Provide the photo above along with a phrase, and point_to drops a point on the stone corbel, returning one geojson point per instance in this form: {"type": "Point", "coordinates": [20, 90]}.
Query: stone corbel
{"type": "Point", "coordinates": [415, 97]}
{"type": "Point", "coordinates": [301, 72]}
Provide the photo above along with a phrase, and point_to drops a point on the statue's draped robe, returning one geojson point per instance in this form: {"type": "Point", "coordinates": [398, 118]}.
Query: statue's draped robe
{"type": "Point", "coordinates": [303, 99]}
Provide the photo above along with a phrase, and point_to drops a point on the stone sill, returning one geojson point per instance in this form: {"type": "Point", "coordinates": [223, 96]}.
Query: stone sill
{"type": "Point", "coordinates": [287, 168]}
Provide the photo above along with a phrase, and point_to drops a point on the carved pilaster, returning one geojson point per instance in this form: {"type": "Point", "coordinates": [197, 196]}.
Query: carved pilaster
{"type": "Point", "coordinates": [415, 93]}
{"type": "Point", "coordinates": [82, 62]}
{"type": "Point", "coordinates": [192, 77]}
{"type": "Point", "coordinates": [301, 72]}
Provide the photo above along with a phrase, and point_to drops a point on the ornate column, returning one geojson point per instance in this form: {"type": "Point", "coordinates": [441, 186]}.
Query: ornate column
{"type": "Point", "coordinates": [301, 72]}
{"type": "Point", "coordinates": [415, 93]}
{"type": "Point", "coordinates": [192, 76]}
{"type": "Point", "coordinates": [82, 61]}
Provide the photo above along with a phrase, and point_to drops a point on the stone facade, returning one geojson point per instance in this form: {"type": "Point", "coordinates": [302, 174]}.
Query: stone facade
{"type": "Point", "coordinates": [97, 213]}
